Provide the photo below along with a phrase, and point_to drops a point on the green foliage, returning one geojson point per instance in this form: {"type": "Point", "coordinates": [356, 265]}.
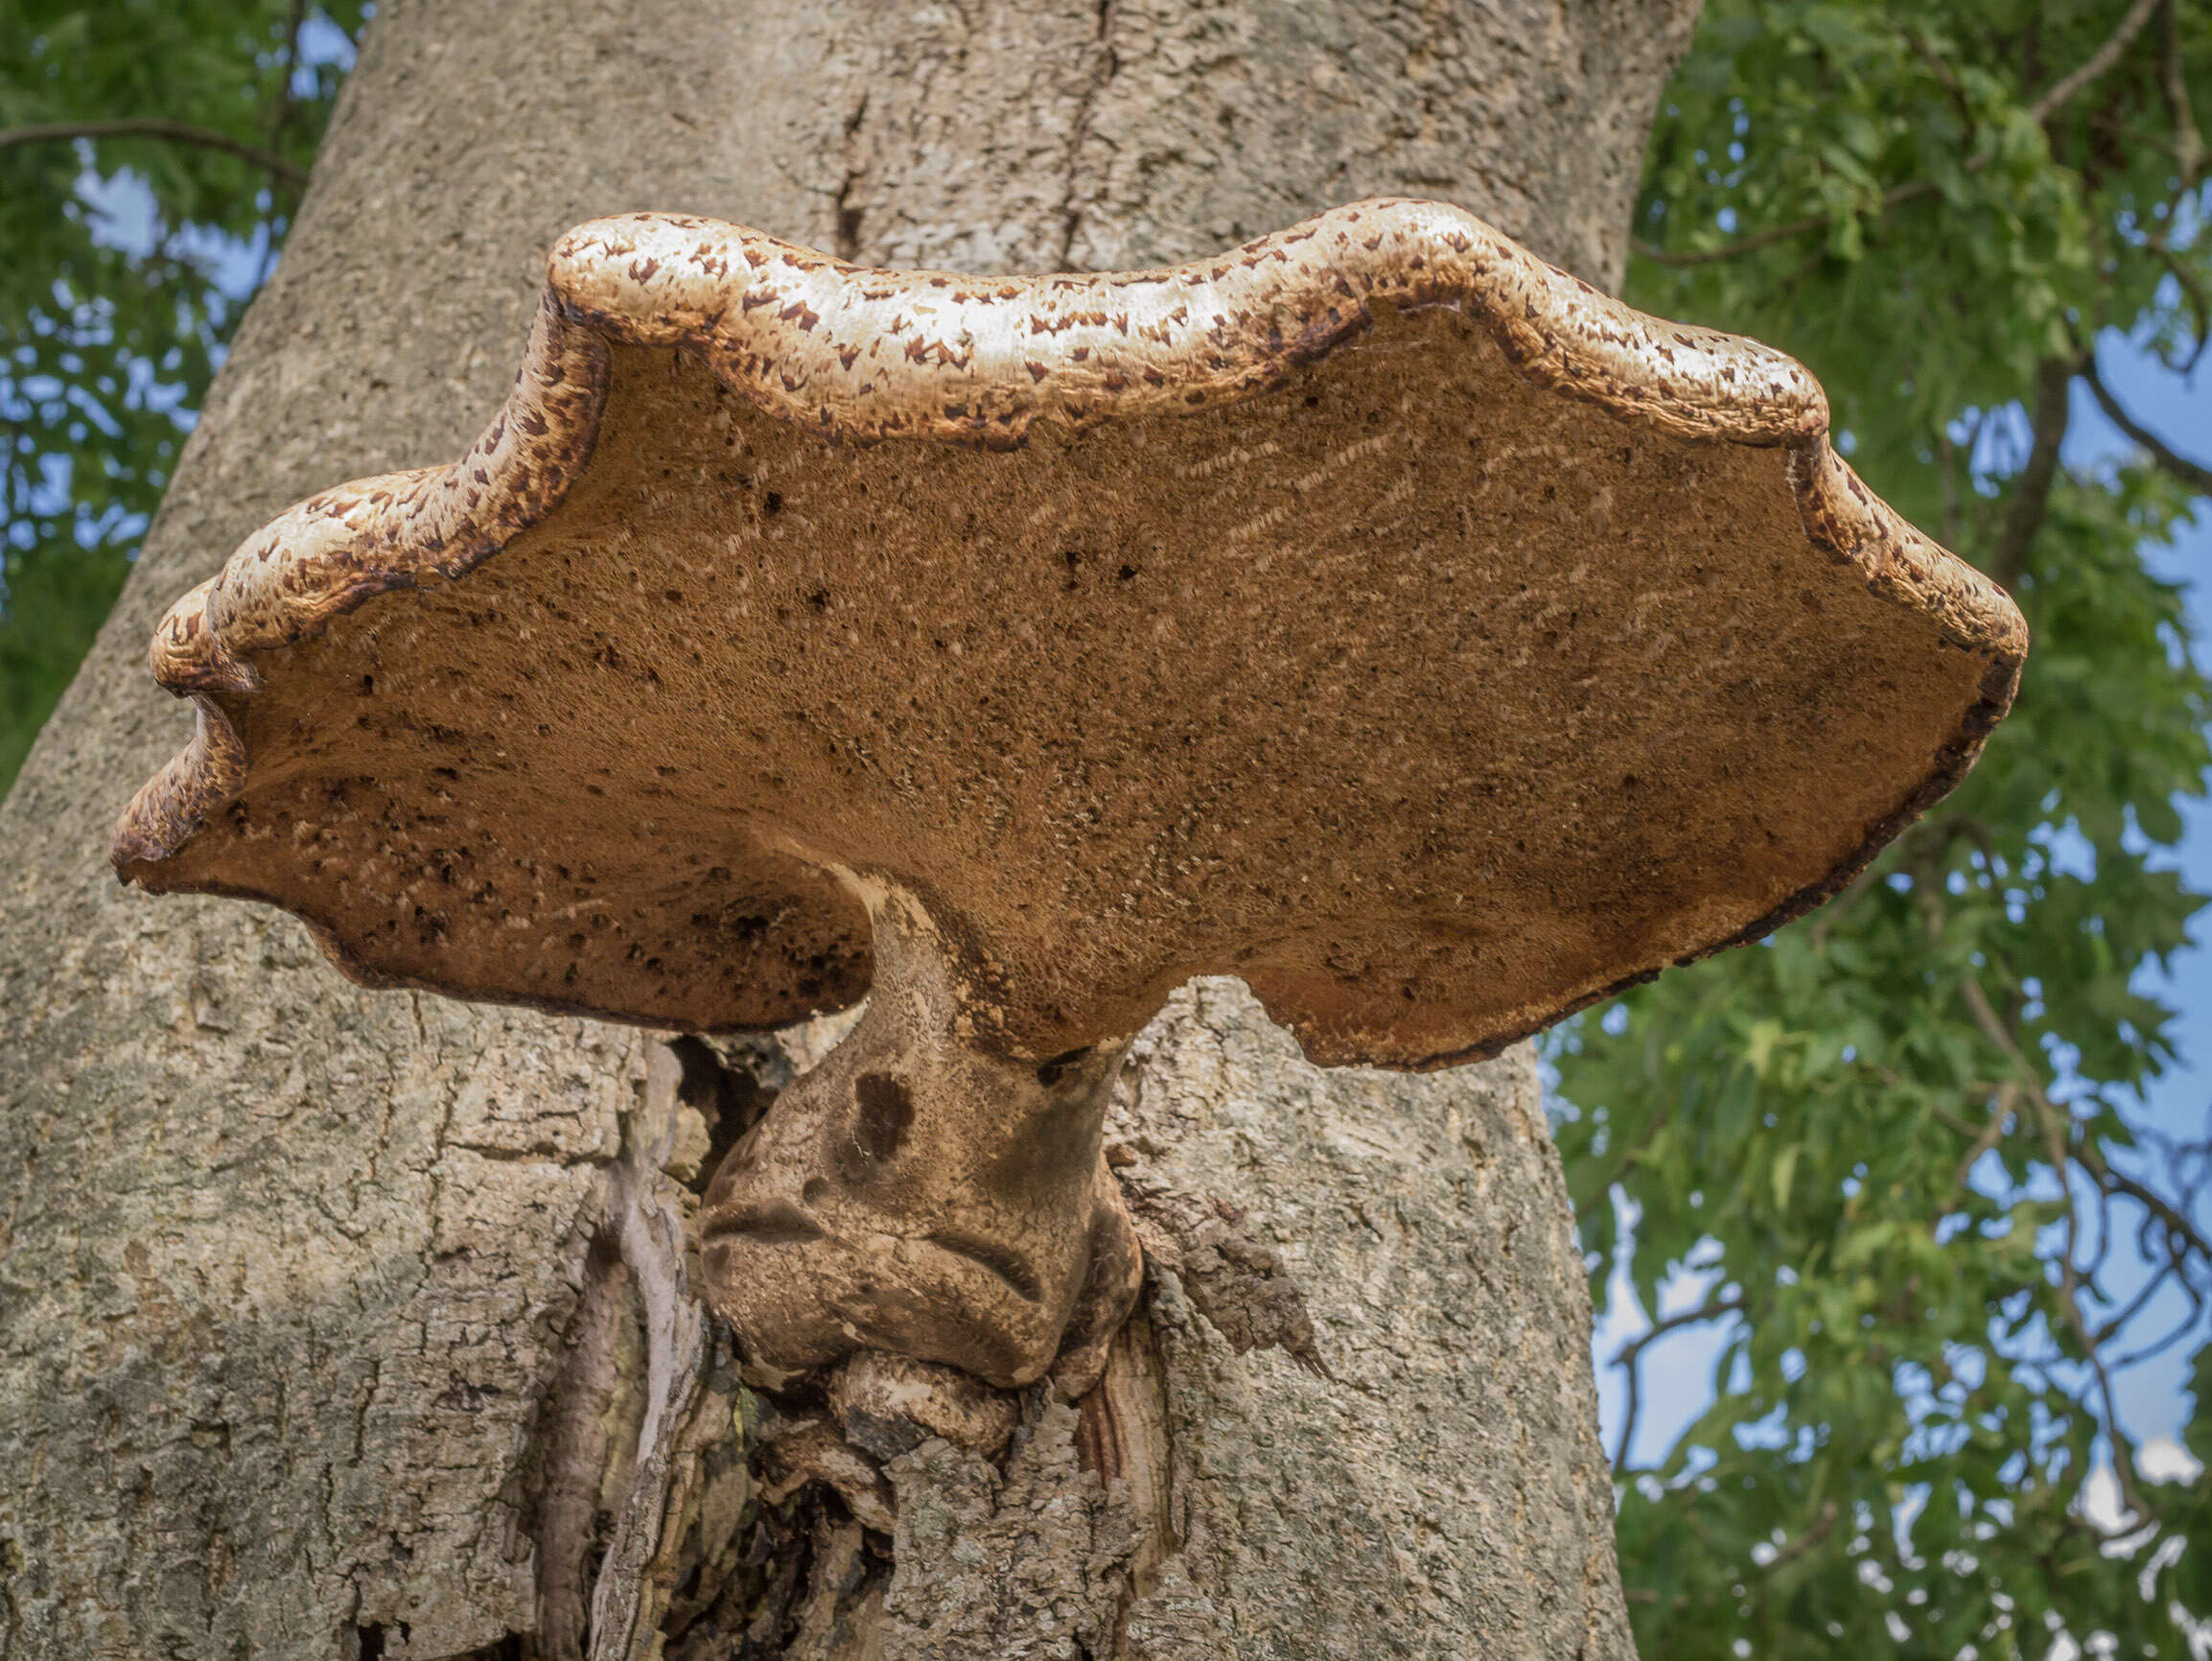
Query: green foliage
{"type": "Point", "coordinates": [1903, 1139]}
{"type": "Point", "coordinates": [109, 349]}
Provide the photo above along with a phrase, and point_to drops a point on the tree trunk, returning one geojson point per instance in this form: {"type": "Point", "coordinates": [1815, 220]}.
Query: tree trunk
{"type": "Point", "coordinates": [340, 1323]}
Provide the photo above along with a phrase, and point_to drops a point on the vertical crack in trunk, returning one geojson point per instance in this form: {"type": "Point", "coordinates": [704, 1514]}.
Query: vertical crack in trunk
{"type": "Point", "coordinates": [652, 1218]}
{"type": "Point", "coordinates": [714, 1547]}
{"type": "Point", "coordinates": [583, 1422]}
{"type": "Point", "coordinates": [1079, 139]}
{"type": "Point", "coordinates": [847, 246]}
{"type": "Point", "coordinates": [654, 1535]}
{"type": "Point", "coordinates": [1122, 1435]}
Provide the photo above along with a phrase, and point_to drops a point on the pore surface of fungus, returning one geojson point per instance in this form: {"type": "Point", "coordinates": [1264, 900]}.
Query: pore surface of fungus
{"type": "Point", "coordinates": [1374, 611]}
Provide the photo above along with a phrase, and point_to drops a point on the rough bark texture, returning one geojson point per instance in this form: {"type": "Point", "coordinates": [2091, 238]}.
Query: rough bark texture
{"type": "Point", "coordinates": [347, 1323]}
{"type": "Point", "coordinates": [1368, 1329]}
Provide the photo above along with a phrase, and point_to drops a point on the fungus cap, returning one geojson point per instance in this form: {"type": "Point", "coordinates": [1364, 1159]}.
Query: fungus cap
{"type": "Point", "coordinates": [1374, 611]}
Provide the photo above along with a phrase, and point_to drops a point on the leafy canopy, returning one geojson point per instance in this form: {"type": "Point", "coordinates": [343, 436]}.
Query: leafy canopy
{"type": "Point", "coordinates": [1903, 1141]}
{"type": "Point", "coordinates": [207, 112]}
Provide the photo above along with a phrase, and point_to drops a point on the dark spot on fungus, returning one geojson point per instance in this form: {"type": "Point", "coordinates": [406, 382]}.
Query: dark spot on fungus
{"type": "Point", "coordinates": [886, 1114]}
{"type": "Point", "coordinates": [1048, 1074]}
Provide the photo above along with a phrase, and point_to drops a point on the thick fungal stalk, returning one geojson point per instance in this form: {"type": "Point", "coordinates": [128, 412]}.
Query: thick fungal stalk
{"type": "Point", "coordinates": [924, 1192]}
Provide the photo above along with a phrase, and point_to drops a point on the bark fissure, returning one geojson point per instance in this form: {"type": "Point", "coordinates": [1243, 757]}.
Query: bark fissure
{"type": "Point", "coordinates": [849, 214]}
{"type": "Point", "coordinates": [1079, 139]}
{"type": "Point", "coordinates": [570, 1461]}
{"type": "Point", "coordinates": [1243, 1288]}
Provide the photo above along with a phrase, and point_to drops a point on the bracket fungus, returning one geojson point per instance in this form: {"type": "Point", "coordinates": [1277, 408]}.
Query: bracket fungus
{"type": "Point", "coordinates": [1375, 612]}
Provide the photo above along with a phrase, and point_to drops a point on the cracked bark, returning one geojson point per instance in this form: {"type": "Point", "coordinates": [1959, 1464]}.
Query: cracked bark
{"type": "Point", "coordinates": [344, 1323]}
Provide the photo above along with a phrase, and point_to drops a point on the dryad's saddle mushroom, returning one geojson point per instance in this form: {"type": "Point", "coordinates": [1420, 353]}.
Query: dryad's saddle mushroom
{"type": "Point", "coordinates": [1375, 612]}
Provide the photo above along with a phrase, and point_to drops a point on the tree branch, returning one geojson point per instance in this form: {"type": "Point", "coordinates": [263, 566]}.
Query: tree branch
{"type": "Point", "coordinates": [2031, 489]}
{"type": "Point", "coordinates": [2097, 62]}
{"type": "Point", "coordinates": [1630, 1351]}
{"type": "Point", "coordinates": [2058, 1137]}
{"type": "Point", "coordinates": [2065, 1144]}
{"type": "Point", "coordinates": [1926, 51]}
{"type": "Point", "coordinates": [2178, 1225]}
{"type": "Point", "coordinates": [2194, 475]}
{"type": "Point", "coordinates": [2183, 1233]}
{"type": "Point", "coordinates": [1807, 1541]}
{"type": "Point", "coordinates": [2188, 141]}
{"type": "Point", "coordinates": [2200, 303]}
{"type": "Point", "coordinates": [2006, 1098]}
{"type": "Point", "coordinates": [174, 131]}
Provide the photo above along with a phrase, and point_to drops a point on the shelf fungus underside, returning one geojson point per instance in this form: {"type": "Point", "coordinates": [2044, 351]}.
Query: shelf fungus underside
{"type": "Point", "coordinates": [1374, 613]}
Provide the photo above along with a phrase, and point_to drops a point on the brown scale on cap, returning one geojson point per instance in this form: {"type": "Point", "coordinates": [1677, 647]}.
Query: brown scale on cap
{"type": "Point", "coordinates": [1374, 613]}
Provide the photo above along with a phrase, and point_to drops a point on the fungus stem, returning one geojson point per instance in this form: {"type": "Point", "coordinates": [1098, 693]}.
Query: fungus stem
{"type": "Point", "coordinates": [924, 1193]}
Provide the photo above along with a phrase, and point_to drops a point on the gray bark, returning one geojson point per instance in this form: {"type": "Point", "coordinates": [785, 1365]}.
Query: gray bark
{"type": "Point", "coordinates": [340, 1323]}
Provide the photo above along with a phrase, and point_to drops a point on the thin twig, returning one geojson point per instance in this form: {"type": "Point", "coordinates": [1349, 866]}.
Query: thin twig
{"type": "Point", "coordinates": [2199, 305]}
{"type": "Point", "coordinates": [1985, 1015]}
{"type": "Point", "coordinates": [1891, 198]}
{"type": "Point", "coordinates": [1630, 1351]}
{"type": "Point", "coordinates": [175, 131]}
{"type": "Point", "coordinates": [1936, 835]}
{"type": "Point", "coordinates": [281, 116]}
{"type": "Point", "coordinates": [2188, 141]}
{"type": "Point", "coordinates": [2194, 473]}
{"type": "Point", "coordinates": [2058, 1141]}
{"type": "Point", "coordinates": [2194, 292]}
{"type": "Point", "coordinates": [2117, 1322]}
{"type": "Point", "coordinates": [2007, 1099]}
{"type": "Point", "coordinates": [2184, 1236]}
{"type": "Point", "coordinates": [1628, 1414]}
{"type": "Point", "coordinates": [278, 121]}
{"type": "Point", "coordinates": [2172, 1221]}
{"type": "Point", "coordinates": [2177, 1271]}
{"type": "Point", "coordinates": [1942, 72]}
{"type": "Point", "coordinates": [2185, 1327]}
{"type": "Point", "coordinates": [2058, 1145]}
{"type": "Point", "coordinates": [1807, 1541]}
{"type": "Point", "coordinates": [2095, 65]}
